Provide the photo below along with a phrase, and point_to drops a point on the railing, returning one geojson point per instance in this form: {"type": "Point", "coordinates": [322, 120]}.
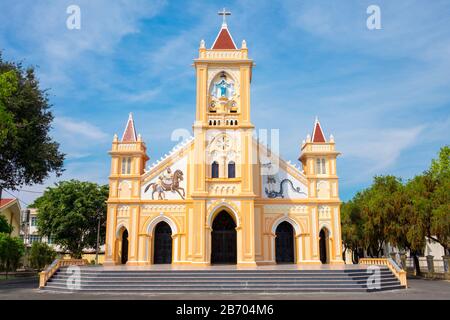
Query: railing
{"type": "Point", "coordinates": [225, 54]}
{"type": "Point", "coordinates": [46, 274]}
{"type": "Point", "coordinates": [318, 148]}
{"type": "Point", "coordinates": [438, 265]}
{"type": "Point", "coordinates": [399, 273]}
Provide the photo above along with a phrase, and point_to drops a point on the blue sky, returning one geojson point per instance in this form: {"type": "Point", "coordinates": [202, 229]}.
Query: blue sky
{"type": "Point", "coordinates": [384, 94]}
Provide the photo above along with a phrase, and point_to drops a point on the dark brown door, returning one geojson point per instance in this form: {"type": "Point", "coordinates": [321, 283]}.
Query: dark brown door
{"type": "Point", "coordinates": [163, 244]}
{"type": "Point", "coordinates": [284, 243]}
{"type": "Point", "coordinates": [323, 246]}
{"type": "Point", "coordinates": [124, 252]}
{"type": "Point", "coordinates": [223, 246]}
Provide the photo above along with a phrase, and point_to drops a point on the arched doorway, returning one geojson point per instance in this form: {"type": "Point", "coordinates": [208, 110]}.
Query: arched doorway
{"type": "Point", "coordinates": [284, 243]}
{"type": "Point", "coordinates": [124, 247]}
{"type": "Point", "coordinates": [162, 244]}
{"type": "Point", "coordinates": [324, 236]}
{"type": "Point", "coordinates": [223, 239]}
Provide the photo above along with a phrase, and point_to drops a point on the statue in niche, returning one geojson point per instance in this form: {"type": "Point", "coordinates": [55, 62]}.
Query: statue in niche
{"type": "Point", "coordinates": [223, 89]}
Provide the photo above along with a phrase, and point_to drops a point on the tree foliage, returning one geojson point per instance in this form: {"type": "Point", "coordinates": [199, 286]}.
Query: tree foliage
{"type": "Point", "coordinates": [27, 152]}
{"type": "Point", "coordinates": [403, 214]}
{"type": "Point", "coordinates": [5, 227]}
{"type": "Point", "coordinates": [11, 250]}
{"type": "Point", "coordinates": [68, 213]}
{"type": "Point", "coordinates": [41, 254]}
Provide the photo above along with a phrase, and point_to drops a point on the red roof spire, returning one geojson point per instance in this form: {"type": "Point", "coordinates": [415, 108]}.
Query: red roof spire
{"type": "Point", "coordinates": [224, 41]}
{"type": "Point", "coordinates": [318, 135]}
{"type": "Point", "coordinates": [129, 135]}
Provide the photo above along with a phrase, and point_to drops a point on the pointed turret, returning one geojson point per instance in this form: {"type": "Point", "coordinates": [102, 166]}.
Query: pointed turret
{"type": "Point", "coordinates": [128, 159]}
{"type": "Point", "coordinates": [318, 135]}
{"type": "Point", "coordinates": [224, 40]}
{"type": "Point", "coordinates": [318, 156]}
{"type": "Point", "coordinates": [129, 135]}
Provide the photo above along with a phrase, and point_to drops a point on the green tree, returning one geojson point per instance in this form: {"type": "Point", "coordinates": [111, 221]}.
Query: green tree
{"type": "Point", "coordinates": [440, 216]}
{"type": "Point", "coordinates": [409, 227]}
{"type": "Point", "coordinates": [11, 250]}
{"type": "Point", "coordinates": [352, 226]}
{"type": "Point", "coordinates": [68, 212]}
{"type": "Point", "coordinates": [27, 152]}
{"type": "Point", "coordinates": [370, 218]}
{"type": "Point", "coordinates": [41, 254]}
{"type": "Point", "coordinates": [5, 227]}
{"type": "Point", "coordinates": [380, 207]}
{"type": "Point", "coordinates": [440, 199]}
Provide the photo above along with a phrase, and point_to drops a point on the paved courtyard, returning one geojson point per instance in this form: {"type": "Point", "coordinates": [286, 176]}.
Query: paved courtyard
{"type": "Point", "coordinates": [26, 289]}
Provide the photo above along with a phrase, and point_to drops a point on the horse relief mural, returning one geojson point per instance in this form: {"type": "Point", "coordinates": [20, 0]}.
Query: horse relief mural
{"type": "Point", "coordinates": [167, 182]}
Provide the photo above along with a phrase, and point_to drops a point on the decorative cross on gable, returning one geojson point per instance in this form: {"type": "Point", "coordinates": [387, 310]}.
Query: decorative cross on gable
{"type": "Point", "coordinates": [224, 13]}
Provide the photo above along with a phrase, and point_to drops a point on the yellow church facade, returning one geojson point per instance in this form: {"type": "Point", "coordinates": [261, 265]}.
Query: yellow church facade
{"type": "Point", "coordinates": [223, 196]}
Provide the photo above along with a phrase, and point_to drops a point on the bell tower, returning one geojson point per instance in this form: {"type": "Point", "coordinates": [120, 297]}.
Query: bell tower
{"type": "Point", "coordinates": [223, 163]}
{"type": "Point", "coordinates": [223, 75]}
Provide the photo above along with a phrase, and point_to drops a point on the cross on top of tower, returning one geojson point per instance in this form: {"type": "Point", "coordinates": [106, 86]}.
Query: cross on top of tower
{"type": "Point", "coordinates": [224, 13]}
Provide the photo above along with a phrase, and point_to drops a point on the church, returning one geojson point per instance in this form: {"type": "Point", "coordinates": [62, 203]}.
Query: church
{"type": "Point", "coordinates": [223, 196]}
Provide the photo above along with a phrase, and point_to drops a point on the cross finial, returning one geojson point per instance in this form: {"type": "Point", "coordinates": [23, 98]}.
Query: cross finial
{"type": "Point", "coordinates": [224, 13]}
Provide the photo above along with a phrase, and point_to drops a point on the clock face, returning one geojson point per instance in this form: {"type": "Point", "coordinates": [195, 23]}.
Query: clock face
{"type": "Point", "coordinates": [223, 143]}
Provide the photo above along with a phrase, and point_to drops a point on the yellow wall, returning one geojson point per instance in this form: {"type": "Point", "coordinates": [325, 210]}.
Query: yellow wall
{"type": "Point", "coordinates": [89, 257]}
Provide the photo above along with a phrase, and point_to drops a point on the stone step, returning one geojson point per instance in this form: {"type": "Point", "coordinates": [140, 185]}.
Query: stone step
{"type": "Point", "coordinates": [225, 284]}
{"type": "Point", "coordinates": [240, 283]}
{"type": "Point", "coordinates": [184, 274]}
{"type": "Point", "coordinates": [208, 277]}
{"type": "Point", "coordinates": [225, 290]}
{"type": "Point", "coordinates": [168, 281]}
{"type": "Point", "coordinates": [308, 271]}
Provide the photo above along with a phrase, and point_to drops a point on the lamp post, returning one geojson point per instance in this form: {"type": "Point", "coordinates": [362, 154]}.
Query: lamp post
{"type": "Point", "coordinates": [98, 236]}
{"type": "Point", "coordinates": [25, 228]}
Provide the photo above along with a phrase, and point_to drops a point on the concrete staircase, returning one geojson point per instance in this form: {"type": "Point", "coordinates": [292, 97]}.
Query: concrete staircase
{"type": "Point", "coordinates": [94, 279]}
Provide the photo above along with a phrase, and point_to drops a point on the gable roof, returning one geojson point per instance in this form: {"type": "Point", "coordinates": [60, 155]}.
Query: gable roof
{"type": "Point", "coordinates": [129, 135]}
{"type": "Point", "coordinates": [318, 135]}
{"type": "Point", "coordinates": [4, 202]}
{"type": "Point", "coordinates": [160, 164]}
{"type": "Point", "coordinates": [224, 41]}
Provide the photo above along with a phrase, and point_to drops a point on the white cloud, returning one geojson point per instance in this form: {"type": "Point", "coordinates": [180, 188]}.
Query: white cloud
{"type": "Point", "coordinates": [380, 147]}
{"type": "Point", "coordinates": [41, 27]}
{"type": "Point", "coordinates": [79, 129]}
{"type": "Point", "coordinates": [143, 96]}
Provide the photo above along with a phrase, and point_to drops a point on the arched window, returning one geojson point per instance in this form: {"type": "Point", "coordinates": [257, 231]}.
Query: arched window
{"type": "Point", "coordinates": [126, 165]}
{"type": "Point", "coordinates": [321, 166]}
{"type": "Point", "coordinates": [231, 170]}
{"type": "Point", "coordinates": [214, 170]}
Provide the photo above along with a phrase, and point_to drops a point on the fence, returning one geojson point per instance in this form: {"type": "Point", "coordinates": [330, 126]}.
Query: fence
{"type": "Point", "coordinates": [428, 266]}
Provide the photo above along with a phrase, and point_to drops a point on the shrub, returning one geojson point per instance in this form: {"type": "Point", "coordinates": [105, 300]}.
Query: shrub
{"type": "Point", "coordinates": [5, 227]}
{"type": "Point", "coordinates": [41, 254]}
{"type": "Point", "coordinates": [11, 250]}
